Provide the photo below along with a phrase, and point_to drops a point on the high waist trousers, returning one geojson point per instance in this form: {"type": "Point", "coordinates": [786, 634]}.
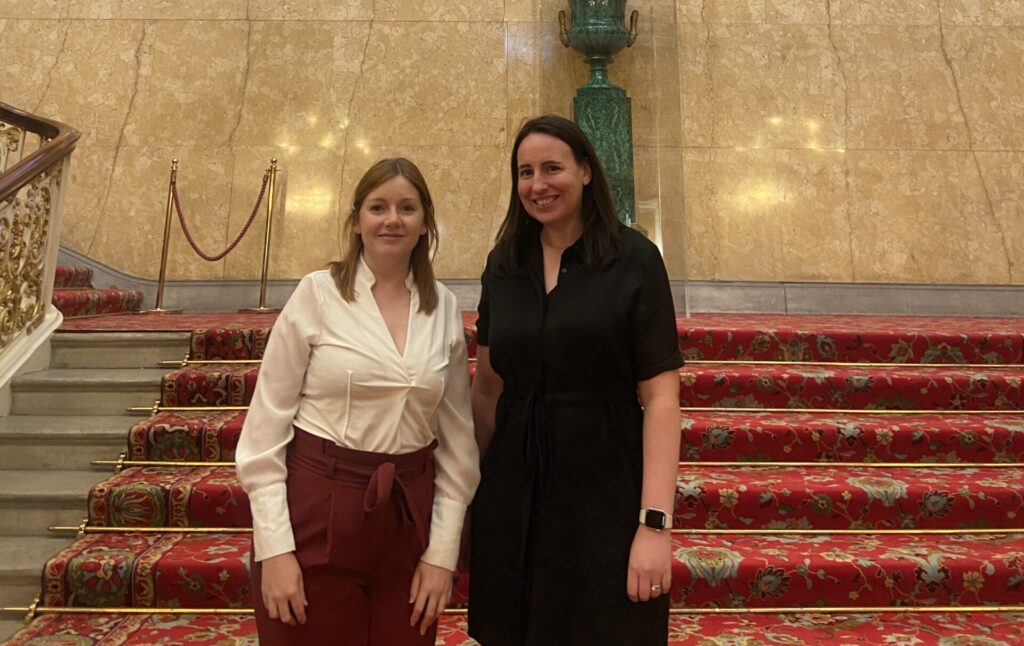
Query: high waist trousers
{"type": "Point", "coordinates": [361, 522]}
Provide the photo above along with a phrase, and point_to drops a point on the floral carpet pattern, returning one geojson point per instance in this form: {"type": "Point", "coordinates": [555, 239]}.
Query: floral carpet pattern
{"type": "Point", "coordinates": [924, 463]}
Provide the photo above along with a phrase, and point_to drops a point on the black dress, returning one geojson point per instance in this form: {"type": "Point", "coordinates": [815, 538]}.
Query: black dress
{"type": "Point", "coordinates": [556, 511]}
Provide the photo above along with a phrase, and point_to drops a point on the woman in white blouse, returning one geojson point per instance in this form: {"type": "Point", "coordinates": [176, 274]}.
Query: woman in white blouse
{"type": "Point", "coordinates": [358, 452]}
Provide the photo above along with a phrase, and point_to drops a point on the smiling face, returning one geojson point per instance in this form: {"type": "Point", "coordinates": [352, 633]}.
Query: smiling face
{"type": "Point", "coordinates": [390, 222]}
{"type": "Point", "coordinates": [550, 181]}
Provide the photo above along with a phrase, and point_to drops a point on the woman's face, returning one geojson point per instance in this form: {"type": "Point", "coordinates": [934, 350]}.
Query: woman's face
{"type": "Point", "coordinates": [391, 221]}
{"type": "Point", "coordinates": [550, 181]}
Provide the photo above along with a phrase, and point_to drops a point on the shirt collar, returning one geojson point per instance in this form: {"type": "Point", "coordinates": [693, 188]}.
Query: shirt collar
{"type": "Point", "coordinates": [365, 277]}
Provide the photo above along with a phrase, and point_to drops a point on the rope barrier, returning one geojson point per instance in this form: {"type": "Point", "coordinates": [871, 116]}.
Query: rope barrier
{"type": "Point", "coordinates": [234, 243]}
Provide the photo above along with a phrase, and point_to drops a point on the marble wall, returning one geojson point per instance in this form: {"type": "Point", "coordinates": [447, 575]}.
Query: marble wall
{"type": "Point", "coordinates": [807, 140]}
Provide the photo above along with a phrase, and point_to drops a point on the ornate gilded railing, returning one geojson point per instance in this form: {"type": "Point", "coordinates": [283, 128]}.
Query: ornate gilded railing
{"type": "Point", "coordinates": [34, 161]}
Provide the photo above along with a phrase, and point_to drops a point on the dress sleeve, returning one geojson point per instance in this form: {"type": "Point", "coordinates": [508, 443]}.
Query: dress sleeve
{"type": "Point", "coordinates": [456, 458]}
{"type": "Point", "coordinates": [483, 308]}
{"type": "Point", "coordinates": [655, 337]}
{"type": "Point", "coordinates": [267, 431]}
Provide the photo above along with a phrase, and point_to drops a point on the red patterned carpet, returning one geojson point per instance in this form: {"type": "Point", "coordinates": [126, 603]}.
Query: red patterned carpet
{"type": "Point", "coordinates": [879, 524]}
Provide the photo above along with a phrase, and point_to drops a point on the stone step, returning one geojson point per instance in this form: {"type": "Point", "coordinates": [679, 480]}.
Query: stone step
{"type": "Point", "coordinates": [31, 501]}
{"type": "Point", "coordinates": [21, 561]}
{"type": "Point", "coordinates": [116, 349]}
{"type": "Point", "coordinates": [10, 626]}
{"type": "Point", "coordinates": [61, 442]}
{"type": "Point", "coordinates": [80, 391]}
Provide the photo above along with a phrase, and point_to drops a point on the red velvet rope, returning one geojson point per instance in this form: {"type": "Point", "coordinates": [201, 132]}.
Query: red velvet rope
{"type": "Point", "coordinates": [241, 234]}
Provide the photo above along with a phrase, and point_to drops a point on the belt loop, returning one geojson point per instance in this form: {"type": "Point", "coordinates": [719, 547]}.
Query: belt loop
{"type": "Point", "coordinates": [378, 490]}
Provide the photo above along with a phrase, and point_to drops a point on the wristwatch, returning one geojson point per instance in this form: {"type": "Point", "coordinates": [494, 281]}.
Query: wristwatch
{"type": "Point", "coordinates": [656, 519]}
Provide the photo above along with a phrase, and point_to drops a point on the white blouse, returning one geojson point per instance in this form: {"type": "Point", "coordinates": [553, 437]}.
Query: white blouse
{"type": "Point", "coordinates": [332, 369]}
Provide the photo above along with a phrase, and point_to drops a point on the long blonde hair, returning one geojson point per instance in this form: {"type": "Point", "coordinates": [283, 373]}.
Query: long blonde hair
{"type": "Point", "coordinates": [344, 271]}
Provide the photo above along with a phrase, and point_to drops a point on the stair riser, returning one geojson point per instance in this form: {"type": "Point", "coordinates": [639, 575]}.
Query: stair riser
{"type": "Point", "coordinates": [18, 592]}
{"type": "Point", "coordinates": [115, 356]}
{"type": "Point", "coordinates": [57, 456]}
{"type": "Point", "coordinates": [917, 392]}
{"type": "Point", "coordinates": [28, 519]}
{"type": "Point", "coordinates": [80, 402]}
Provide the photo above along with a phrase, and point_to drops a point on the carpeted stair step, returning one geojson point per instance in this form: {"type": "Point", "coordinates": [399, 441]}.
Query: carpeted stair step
{"type": "Point", "coordinates": [852, 387]}
{"type": "Point", "coordinates": [851, 437]}
{"type": "Point", "coordinates": [80, 391]}
{"type": "Point", "coordinates": [170, 497]}
{"type": "Point", "coordinates": [116, 349]}
{"type": "Point", "coordinates": [849, 498]}
{"type": "Point", "coordinates": [207, 436]}
{"type": "Point", "coordinates": [72, 276]}
{"type": "Point", "coordinates": [32, 500]}
{"type": "Point", "coordinates": [150, 570]}
{"type": "Point", "coordinates": [847, 571]}
{"type": "Point", "coordinates": [210, 385]}
{"type": "Point", "coordinates": [93, 302]}
{"type": "Point", "coordinates": [229, 343]}
{"type": "Point", "coordinates": [875, 339]}
{"type": "Point", "coordinates": [159, 570]}
{"type": "Point", "coordinates": [898, 629]}
{"type": "Point", "coordinates": [57, 442]}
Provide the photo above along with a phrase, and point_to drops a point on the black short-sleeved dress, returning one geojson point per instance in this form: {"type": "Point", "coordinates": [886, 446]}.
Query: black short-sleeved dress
{"type": "Point", "coordinates": [556, 511]}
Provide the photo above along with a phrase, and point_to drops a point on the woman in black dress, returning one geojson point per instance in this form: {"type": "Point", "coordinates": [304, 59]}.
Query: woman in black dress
{"type": "Point", "coordinates": [576, 407]}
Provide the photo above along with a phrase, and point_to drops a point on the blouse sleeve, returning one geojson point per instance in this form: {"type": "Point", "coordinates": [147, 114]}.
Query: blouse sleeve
{"type": "Point", "coordinates": [260, 457]}
{"type": "Point", "coordinates": [655, 337]}
{"type": "Point", "coordinates": [456, 458]}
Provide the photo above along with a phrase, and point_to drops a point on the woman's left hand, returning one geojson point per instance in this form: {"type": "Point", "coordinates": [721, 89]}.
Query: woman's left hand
{"type": "Point", "coordinates": [650, 564]}
{"type": "Point", "coordinates": [431, 590]}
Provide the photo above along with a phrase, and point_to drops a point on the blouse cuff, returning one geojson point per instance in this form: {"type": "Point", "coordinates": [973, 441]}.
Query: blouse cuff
{"type": "Point", "coordinates": [271, 524]}
{"type": "Point", "coordinates": [445, 533]}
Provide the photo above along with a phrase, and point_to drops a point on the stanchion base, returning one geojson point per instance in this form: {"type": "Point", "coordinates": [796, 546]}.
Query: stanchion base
{"type": "Point", "coordinates": [258, 310]}
{"type": "Point", "coordinates": [161, 310]}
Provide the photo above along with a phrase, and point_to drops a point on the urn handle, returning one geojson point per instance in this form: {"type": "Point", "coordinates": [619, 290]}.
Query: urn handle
{"type": "Point", "coordinates": [634, 18]}
{"type": "Point", "coordinates": [563, 28]}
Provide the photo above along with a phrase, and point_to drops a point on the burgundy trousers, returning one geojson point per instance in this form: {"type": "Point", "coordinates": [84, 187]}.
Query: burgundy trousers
{"type": "Point", "coordinates": [361, 522]}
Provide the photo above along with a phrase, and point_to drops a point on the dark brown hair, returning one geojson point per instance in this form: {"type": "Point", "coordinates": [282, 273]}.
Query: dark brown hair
{"type": "Point", "coordinates": [344, 271]}
{"type": "Point", "coordinates": [600, 237]}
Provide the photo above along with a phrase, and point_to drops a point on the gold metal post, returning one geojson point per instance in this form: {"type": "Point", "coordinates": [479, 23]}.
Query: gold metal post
{"type": "Point", "coordinates": [159, 309]}
{"type": "Point", "coordinates": [271, 190]}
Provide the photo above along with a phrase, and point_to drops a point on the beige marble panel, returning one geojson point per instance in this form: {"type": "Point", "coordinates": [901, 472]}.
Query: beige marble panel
{"type": "Point", "coordinates": [191, 77]}
{"type": "Point", "coordinates": [437, 10]}
{"type": "Point", "coordinates": [983, 12]}
{"type": "Point", "coordinates": [300, 78]}
{"type": "Point", "coordinates": [902, 94]}
{"type": "Point", "coordinates": [800, 12]}
{"type": "Point", "coordinates": [310, 10]}
{"type": "Point", "coordinates": [885, 12]}
{"type": "Point", "coordinates": [91, 83]}
{"type": "Point", "coordinates": [989, 64]}
{"type": "Point", "coordinates": [1003, 173]}
{"type": "Point", "coordinates": [304, 232]}
{"type": "Point", "coordinates": [562, 71]}
{"type": "Point", "coordinates": [767, 215]}
{"type": "Point", "coordinates": [84, 199]}
{"type": "Point", "coordinates": [158, 9]}
{"type": "Point", "coordinates": [31, 49]}
{"type": "Point", "coordinates": [522, 49]}
{"type": "Point", "coordinates": [34, 9]}
{"type": "Point", "coordinates": [924, 217]}
{"type": "Point", "coordinates": [132, 205]}
{"type": "Point", "coordinates": [522, 10]}
{"type": "Point", "coordinates": [721, 11]}
{"type": "Point", "coordinates": [762, 86]}
{"type": "Point", "coordinates": [458, 97]}
{"type": "Point", "coordinates": [659, 203]}
{"type": "Point", "coordinates": [664, 11]}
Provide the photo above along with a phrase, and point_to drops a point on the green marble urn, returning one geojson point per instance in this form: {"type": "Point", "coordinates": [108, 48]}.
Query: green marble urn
{"type": "Point", "coordinates": [601, 108]}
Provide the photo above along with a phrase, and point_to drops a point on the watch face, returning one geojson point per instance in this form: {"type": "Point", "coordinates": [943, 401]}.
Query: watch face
{"type": "Point", "coordinates": [655, 519]}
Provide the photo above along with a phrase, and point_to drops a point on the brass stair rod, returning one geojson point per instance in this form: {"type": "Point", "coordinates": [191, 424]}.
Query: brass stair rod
{"type": "Point", "coordinates": [88, 529]}
{"type": "Point", "coordinates": [32, 611]}
{"type": "Point", "coordinates": [162, 281]}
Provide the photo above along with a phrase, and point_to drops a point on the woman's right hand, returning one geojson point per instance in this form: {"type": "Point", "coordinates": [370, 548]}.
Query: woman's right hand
{"type": "Point", "coordinates": [284, 596]}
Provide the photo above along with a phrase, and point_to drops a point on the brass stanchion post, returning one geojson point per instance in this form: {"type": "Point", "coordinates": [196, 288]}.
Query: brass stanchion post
{"type": "Point", "coordinates": [271, 191]}
{"type": "Point", "coordinates": [159, 309]}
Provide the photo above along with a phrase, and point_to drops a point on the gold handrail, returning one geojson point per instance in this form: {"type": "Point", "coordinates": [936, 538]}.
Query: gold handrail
{"type": "Point", "coordinates": [62, 141]}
